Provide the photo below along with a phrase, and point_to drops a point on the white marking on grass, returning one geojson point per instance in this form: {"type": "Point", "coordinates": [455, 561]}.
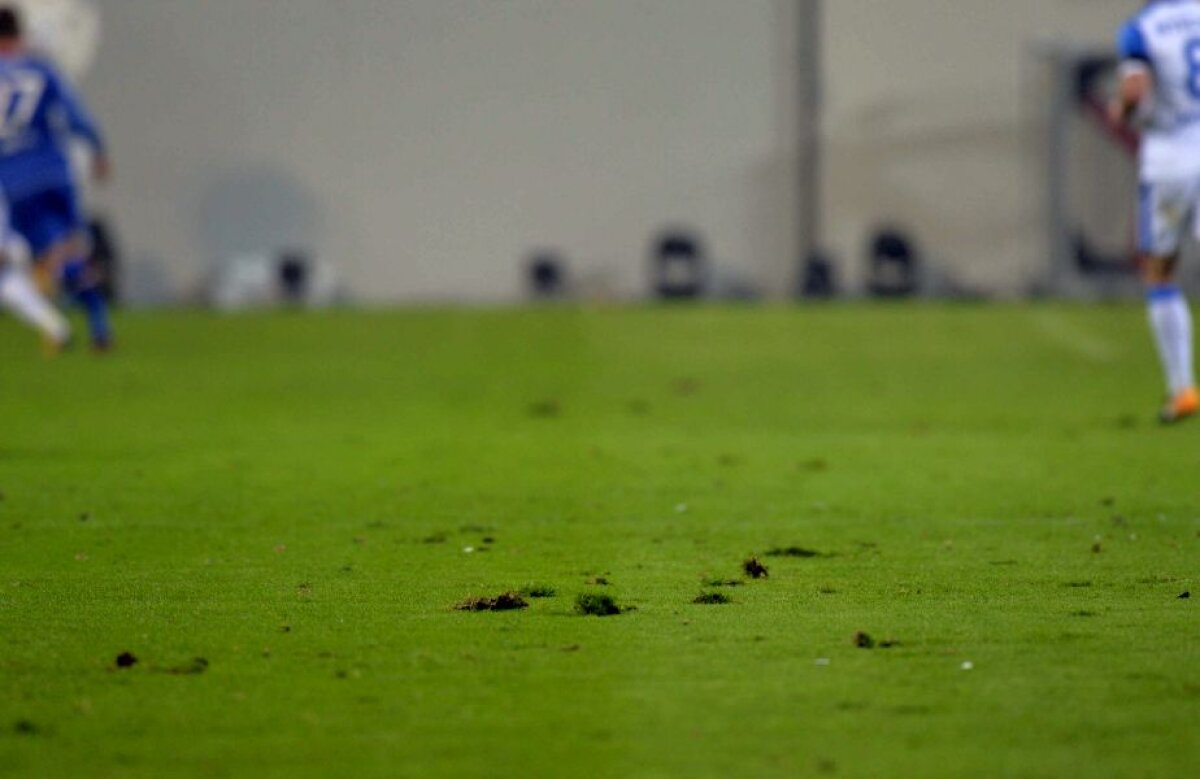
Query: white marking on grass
{"type": "Point", "coordinates": [1060, 330]}
{"type": "Point", "coordinates": [967, 665]}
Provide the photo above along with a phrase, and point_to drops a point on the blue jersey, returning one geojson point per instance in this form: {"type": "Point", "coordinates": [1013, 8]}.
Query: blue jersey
{"type": "Point", "coordinates": [39, 112]}
{"type": "Point", "coordinates": [1164, 37]}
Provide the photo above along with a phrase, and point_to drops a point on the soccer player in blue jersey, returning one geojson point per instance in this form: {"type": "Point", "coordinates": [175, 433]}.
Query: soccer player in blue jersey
{"type": "Point", "coordinates": [1160, 92]}
{"type": "Point", "coordinates": [39, 113]}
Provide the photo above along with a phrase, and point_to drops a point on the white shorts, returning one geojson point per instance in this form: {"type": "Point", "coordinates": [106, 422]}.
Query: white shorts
{"type": "Point", "coordinates": [1166, 210]}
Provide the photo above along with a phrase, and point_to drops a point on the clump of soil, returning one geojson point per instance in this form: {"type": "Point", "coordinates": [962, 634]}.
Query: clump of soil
{"type": "Point", "coordinates": [712, 598]}
{"type": "Point", "coordinates": [126, 660]}
{"type": "Point", "coordinates": [863, 641]}
{"type": "Point", "coordinates": [792, 551]}
{"type": "Point", "coordinates": [755, 569]}
{"type": "Point", "coordinates": [24, 727]}
{"type": "Point", "coordinates": [597, 604]}
{"type": "Point", "coordinates": [1185, 595]}
{"type": "Point", "coordinates": [505, 601]}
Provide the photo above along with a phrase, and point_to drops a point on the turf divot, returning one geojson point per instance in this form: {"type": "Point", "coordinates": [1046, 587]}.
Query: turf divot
{"type": "Point", "coordinates": [505, 601]}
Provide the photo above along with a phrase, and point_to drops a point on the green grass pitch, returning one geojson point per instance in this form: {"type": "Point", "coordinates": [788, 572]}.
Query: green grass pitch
{"type": "Point", "coordinates": [276, 515]}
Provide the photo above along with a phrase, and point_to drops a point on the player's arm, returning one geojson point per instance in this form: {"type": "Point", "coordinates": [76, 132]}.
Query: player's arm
{"type": "Point", "coordinates": [80, 122]}
{"type": "Point", "coordinates": [1136, 86]}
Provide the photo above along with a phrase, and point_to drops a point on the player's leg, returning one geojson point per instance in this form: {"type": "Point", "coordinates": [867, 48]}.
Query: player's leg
{"type": "Point", "coordinates": [1164, 211]}
{"type": "Point", "coordinates": [54, 227]}
{"type": "Point", "coordinates": [20, 295]}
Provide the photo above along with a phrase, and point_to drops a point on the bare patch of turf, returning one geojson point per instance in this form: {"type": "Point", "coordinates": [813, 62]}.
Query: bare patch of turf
{"type": "Point", "coordinates": [538, 591]}
{"type": "Point", "coordinates": [792, 551]}
{"type": "Point", "coordinates": [755, 569]}
{"type": "Point", "coordinates": [712, 598]}
{"type": "Point", "coordinates": [505, 601]}
{"type": "Point", "coordinates": [597, 604]}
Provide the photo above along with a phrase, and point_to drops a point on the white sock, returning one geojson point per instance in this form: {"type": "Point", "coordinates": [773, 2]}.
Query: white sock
{"type": "Point", "coordinates": [1171, 322]}
{"type": "Point", "coordinates": [19, 295]}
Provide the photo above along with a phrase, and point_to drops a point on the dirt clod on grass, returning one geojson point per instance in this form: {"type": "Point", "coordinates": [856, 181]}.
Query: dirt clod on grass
{"type": "Point", "coordinates": [598, 581]}
{"type": "Point", "coordinates": [719, 582]}
{"type": "Point", "coordinates": [755, 569]}
{"type": "Point", "coordinates": [863, 641]}
{"type": "Point", "coordinates": [791, 551]}
{"type": "Point", "coordinates": [597, 604]}
{"type": "Point", "coordinates": [24, 727]}
{"type": "Point", "coordinates": [505, 601]}
{"type": "Point", "coordinates": [712, 598]}
{"type": "Point", "coordinates": [1185, 595]}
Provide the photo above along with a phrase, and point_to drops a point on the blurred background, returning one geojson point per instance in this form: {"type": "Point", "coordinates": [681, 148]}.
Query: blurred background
{"type": "Point", "coordinates": [487, 151]}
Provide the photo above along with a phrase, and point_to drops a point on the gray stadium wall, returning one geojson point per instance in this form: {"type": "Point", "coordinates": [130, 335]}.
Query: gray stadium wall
{"type": "Point", "coordinates": [424, 147]}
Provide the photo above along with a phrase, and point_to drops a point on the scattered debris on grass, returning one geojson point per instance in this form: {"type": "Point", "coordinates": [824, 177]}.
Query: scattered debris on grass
{"type": "Point", "coordinates": [863, 641]}
{"type": "Point", "coordinates": [434, 538]}
{"type": "Point", "coordinates": [304, 590]}
{"type": "Point", "coordinates": [597, 604]}
{"type": "Point", "coordinates": [505, 601]}
{"type": "Point", "coordinates": [285, 628]}
{"type": "Point", "coordinates": [488, 540]}
{"type": "Point", "coordinates": [718, 582]}
{"type": "Point", "coordinates": [598, 581]}
{"type": "Point", "coordinates": [712, 598]}
{"type": "Point", "coordinates": [755, 569]}
{"type": "Point", "coordinates": [967, 665]}
{"type": "Point", "coordinates": [821, 661]}
{"type": "Point", "coordinates": [545, 409]}
{"type": "Point", "coordinates": [538, 591]}
{"type": "Point", "coordinates": [1185, 595]}
{"type": "Point", "coordinates": [570, 648]}
{"type": "Point", "coordinates": [1097, 547]}
{"type": "Point", "coordinates": [198, 665]}
{"type": "Point", "coordinates": [827, 591]}
{"type": "Point", "coordinates": [1077, 585]}
{"type": "Point", "coordinates": [791, 551]}
{"type": "Point", "coordinates": [889, 643]}
{"type": "Point", "coordinates": [126, 660]}
{"type": "Point", "coordinates": [1083, 613]}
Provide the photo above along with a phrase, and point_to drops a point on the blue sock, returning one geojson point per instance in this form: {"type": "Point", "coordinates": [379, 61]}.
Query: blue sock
{"type": "Point", "coordinates": [88, 296]}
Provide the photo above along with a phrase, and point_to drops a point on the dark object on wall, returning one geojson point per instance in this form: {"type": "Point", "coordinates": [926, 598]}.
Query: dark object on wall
{"type": "Point", "coordinates": [818, 279]}
{"type": "Point", "coordinates": [294, 275]}
{"type": "Point", "coordinates": [894, 265]}
{"type": "Point", "coordinates": [1093, 262]}
{"type": "Point", "coordinates": [105, 258]}
{"type": "Point", "coordinates": [547, 275]}
{"type": "Point", "coordinates": [679, 266]}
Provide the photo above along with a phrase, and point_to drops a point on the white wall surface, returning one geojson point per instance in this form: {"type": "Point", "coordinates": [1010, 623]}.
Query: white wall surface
{"type": "Point", "coordinates": [425, 146]}
{"type": "Point", "coordinates": [928, 115]}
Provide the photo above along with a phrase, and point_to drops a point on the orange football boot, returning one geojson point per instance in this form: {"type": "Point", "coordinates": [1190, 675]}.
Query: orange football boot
{"type": "Point", "coordinates": [1180, 407]}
